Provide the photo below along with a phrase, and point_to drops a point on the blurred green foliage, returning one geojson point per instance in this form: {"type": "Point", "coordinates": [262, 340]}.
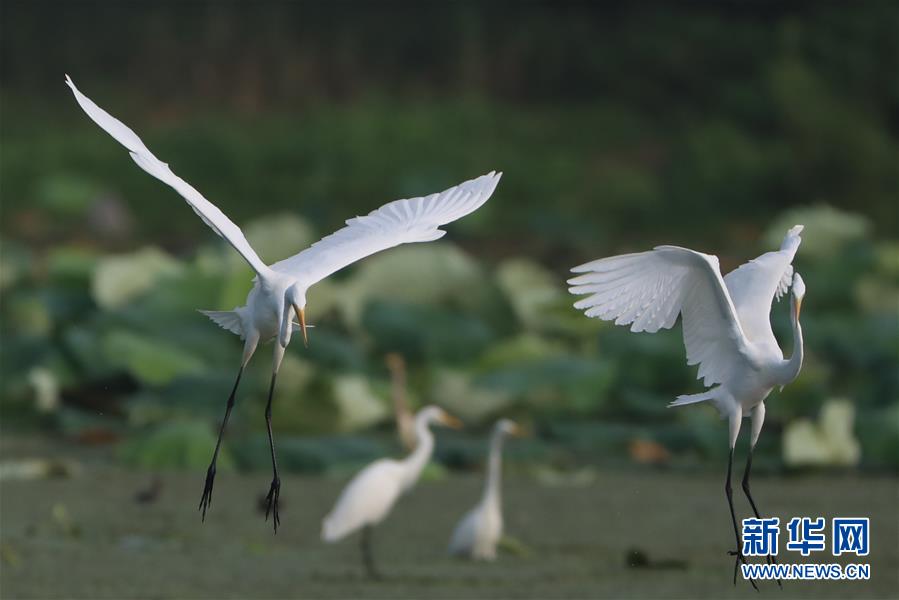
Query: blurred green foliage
{"type": "Point", "coordinates": [712, 126]}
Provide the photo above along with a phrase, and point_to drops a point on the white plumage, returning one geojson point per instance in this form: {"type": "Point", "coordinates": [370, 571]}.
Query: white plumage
{"type": "Point", "coordinates": [366, 500]}
{"type": "Point", "coordinates": [480, 530]}
{"type": "Point", "coordinates": [726, 326]}
{"type": "Point", "coordinates": [145, 159]}
{"type": "Point", "coordinates": [399, 222]}
{"type": "Point", "coordinates": [395, 223]}
{"type": "Point", "coordinates": [726, 323]}
{"type": "Point", "coordinates": [371, 494]}
{"type": "Point", "coordinates": [279, 291]}
{"type": "Point", "coordinates": [649, 290]}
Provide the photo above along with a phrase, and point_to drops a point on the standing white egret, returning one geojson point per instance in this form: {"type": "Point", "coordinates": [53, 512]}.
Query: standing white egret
{"type": "Point", "coordinates": [280, 289]}
{"type": "Point", "coordinates": [478, 532]}
{"type": "Point", "coordinates": [370, 495]}
{"type": "Point", "coordinates": [726, 326]}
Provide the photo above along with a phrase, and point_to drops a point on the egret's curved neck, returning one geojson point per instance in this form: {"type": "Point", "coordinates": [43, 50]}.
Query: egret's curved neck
{"type": "Point", "coordinates": [415, 462]}
{"type": "Point", "coordinates": [285, 329]}
{"type": "Point", "coordinates": [494, 469]}
{"type": "Point", "coordinates": [790, 368]}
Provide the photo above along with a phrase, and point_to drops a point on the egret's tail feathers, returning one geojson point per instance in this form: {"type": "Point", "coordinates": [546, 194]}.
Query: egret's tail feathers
{"type": "Point", "coordinates": [226, 319]}
{"type": "Point", "coordinates": [693, 398]}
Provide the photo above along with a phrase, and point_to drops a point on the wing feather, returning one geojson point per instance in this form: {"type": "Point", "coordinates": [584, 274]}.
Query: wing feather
{"type": "Point", "coordinates": [208, 212]}
{"type": "Point", "coordinates": [395, 223]}
{"type": "Point", "coordinates": [648, 290]}
{"type": "Point", "coordinates": [754, 285]}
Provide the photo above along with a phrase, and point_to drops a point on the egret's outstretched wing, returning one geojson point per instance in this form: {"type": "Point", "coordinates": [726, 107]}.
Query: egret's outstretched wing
{"type": "Point", "coordinates": [754, 285]}
{"type": "Point", "coordinates": [399, 222]}
{"type": "Point", "coordinates": [649, 289]}
{"type": "Point", "coordinates": [207, 211]}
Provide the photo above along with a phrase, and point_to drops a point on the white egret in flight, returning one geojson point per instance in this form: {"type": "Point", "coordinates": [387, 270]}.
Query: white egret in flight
{"type": "Point", "coordinates": [478, 532]}
{"type": "Point", "coordinates": [726, 326]}
{"type": "Point", "coordinates": [280, 289]}
{"type": "Point", "coordinates": [370, 495]}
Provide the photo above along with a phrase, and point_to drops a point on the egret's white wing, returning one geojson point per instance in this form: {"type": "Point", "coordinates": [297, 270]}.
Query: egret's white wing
{"type": "Point", "coordinates": [207, 211]}
{"type": "Point", "coordinates": [399, 222]}
{"type": "Point", "coordinates": [754, 285]}
{"type": "Point", "coordinates": [649, 289]}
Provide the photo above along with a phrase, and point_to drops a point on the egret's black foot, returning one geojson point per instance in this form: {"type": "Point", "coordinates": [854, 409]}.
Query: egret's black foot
{"type": "Point", "coordinates": [272, 503]}
{"type": "Point", "coordinates": [740, 559]}
{"type": "Point", "coordinates": [206, 500]}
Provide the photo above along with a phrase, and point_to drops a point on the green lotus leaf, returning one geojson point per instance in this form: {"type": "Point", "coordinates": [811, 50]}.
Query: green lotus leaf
{"type": "Point", "coordinates": [122, 278]}
{"type": "Point", "coordinates": [425, 332]}
{"type": "Point", "coordinates": [423, 274]}
{"type": "Point", "coordinates": [530, 289]}
{"type": "Point", "coordinates": [153, 361]}
{"type": "Point", "coordinates": [829, 442]}
{"type": "Point", "coordinates": [72, 264]}
{"type": "Point", "coordinates": [181, 444]}
{"type": "Point", "coordinates": [827, 229]}
{"type": "Point", "coordinates": [14, 263]}
{"type": "Point", "coordinates": [28, 314]}
{"type": "Point", "coordinates": [275, 237]}
{"type": "Point", "coordinates": [358, 405]}
{"type": "Point", "coordinates": [526, 347]}
{"type": "Point", "coordinates": [456, 391]}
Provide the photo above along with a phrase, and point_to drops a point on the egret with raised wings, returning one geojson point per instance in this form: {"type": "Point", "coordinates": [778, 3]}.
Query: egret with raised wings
{"type": "Point", "coordinates": [279, 290]}
{"type": "Point", "coordinates": [370, 495]}
{"type": "Point", "coordinates": [726, 326]}
{"type": "Point", "coordinates": [479, 531]}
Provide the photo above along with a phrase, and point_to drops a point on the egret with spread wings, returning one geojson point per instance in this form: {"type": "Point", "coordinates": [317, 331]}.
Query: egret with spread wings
{"type": "Point", "coordinates": [726, 326]}
{"type": "Point", "coordinates": [279, 290]}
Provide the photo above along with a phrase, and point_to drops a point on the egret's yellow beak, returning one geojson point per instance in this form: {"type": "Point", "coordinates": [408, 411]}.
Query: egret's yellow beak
{"type": "Point", "coordinates": [450, 421]}
{"type": "Point", "coordinates": [301, 316]}
{"type": "Point", "coordinates": [798, 307]}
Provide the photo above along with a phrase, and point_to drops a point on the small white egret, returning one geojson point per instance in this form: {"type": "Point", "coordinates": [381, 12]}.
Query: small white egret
{"type": "Point", "coordinates": [726, 326]}
{"type": "Point", "coordinates": [478, 532]}
{"type": "Point", "coordinates": [370, 495]}
{"type": "Point", "coordinates": [280, 289]}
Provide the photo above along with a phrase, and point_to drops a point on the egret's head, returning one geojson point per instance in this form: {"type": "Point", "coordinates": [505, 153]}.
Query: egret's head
{"type": "Point", "coordinates": [798, 292]}
{"type": "Point", "coordinates": [435, 414]}
{"type": "Point", "coordinates": [296, 299]}
{"type": "Point", "coordinates": [509, 427]}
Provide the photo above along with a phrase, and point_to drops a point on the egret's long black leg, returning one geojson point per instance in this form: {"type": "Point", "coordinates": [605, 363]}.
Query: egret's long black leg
{"type": "Point", "coordinates": [367, 555]}
{"type": "Point", "coordinates": [206, 499]}
{"type": "Point", "coordinates": [728, 490]}
{"type": "Point", "coordinates": [275, 489]}
{"type": "Point", "coordinates": [771, 559]}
